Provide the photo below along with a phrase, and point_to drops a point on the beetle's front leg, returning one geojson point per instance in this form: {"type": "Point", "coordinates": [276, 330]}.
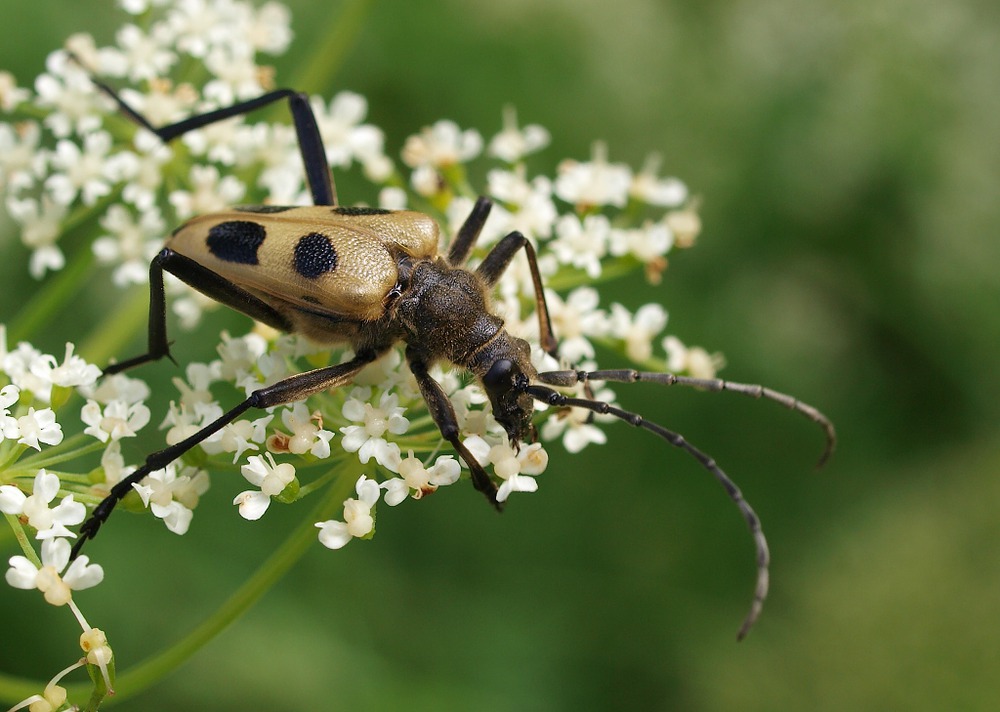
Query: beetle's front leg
{"type": "Point", "coordinates": [444, 417]}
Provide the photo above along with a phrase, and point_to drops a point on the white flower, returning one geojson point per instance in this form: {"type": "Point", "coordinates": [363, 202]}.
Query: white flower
{"type": "Point", "coordinates": [637, 331]}
{"type": "Point", "coordinates": [272, 479]}
{"type": "Point", "coordinates": [358, 519]}
{"type": "Point", "coordinates": [574, 424]}
{"type": "Point", "coordinates": [200, 376]}
{"type": "Point", "coordinates": [71, 373]}
{"type": "Point", "coordinates": [34, 428]}
{"type": "Point", "coordinates": [695, 360]}
{"type": "Point", "coordinates": [211, 193]}
{"type": "Point", "coordinates": [58, 590]}
{"type": "Point", "coordinates": [182, 422]}
{"type": "Point", "coordinates": [21, 160]}
{"type": "Point", "coordinates": [238, 356]}
{"type": "Point", "coordinates": [67, 90]}
{"type": "Point", "coordinates": [238, 437]}
{"type": "Point", "coordinates": [594, 183]}
{"type": "Point", "coordinates": [419, 480]}
{"type": "Point", "coordinates": [49, 522]}
{"type": "Point", "coordinates": [132, 243]}
{"type": "Point", "coordinates": [171, 497]}
{"type": "Point", "coordinates": [513, 143]}
{"type": "Point", "coordinates": [237, 76]}
{"type": "Point", "coordinates": [115, 421]}
{"type": "Point", "coordinates": [516, 469]}
{"type": "Point", "coordinates": [344, 135]}
{"type": "Point", "coordinates": [120, 387]}
{"type": "Point", "coordinates": [441, 145]}
{"type": "Point", "coordinates": [307, 431]}
{"type": "Point", "coordinates": [582, 244]}
{"type": "Point", "coordinates": [88, 172]}
{"type": "Point", "coordinates": [532, 211]}
{"type": "Point", "coordinates": [648, 187]}
{"type": "Point", "coordinates": [685, 225]}
{"type": "Point", "coordinates": [575, 319]}
{"type": "Point", "coordinates": [137, 7]}
{"type": "Point", "coordinates": [41, 225]}
{"type": "Point", "coordinates": [367, 440]}
{"type": "Point", "coordinates": [146, 55]}
{"type": "Point", "coordinates": [10, 93]}
{"type": "Point", "coordinates": [269, 28]}
{"type": "Point", "coordinates": [113, 464]}
{"type": "Point", "coordinates": [9, 395]}
{"type": "Point", "coordinates": [646, 243]}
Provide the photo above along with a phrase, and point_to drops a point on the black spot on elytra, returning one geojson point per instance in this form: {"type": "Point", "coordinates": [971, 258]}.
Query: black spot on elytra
{"type": "Point", "coordinates": [359, 210]}
{"type": "Point", "coordinates": [310, 299]}
{"type": "Point", "coordinates": [262, 208]}
{"type": "Point", "coordinates": [314, 255]}
{"type": "Point", "coordinates": [236, 241]}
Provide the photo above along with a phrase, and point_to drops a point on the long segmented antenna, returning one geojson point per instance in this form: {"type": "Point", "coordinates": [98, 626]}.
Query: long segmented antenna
{"type": "Point", "coordinates": [627, 375]}
{"type": "Point", "coordinates": [554, 398]}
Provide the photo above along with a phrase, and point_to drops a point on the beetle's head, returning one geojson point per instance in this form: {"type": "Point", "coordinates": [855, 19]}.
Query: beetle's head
{"type": "Point", "coordinates": [505, 384]}
{"type": "Point", "coordinates": [505, 378]}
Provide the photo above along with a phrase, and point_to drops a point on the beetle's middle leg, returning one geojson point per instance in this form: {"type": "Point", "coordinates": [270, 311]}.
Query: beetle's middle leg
{"type": "Point", "coordinates": [205, 281]}
{"type": "Point", "coordinates": [496, 262]}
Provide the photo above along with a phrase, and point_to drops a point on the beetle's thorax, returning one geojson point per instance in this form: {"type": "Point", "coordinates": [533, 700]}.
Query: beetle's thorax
{"type": "Point", "coordinates": [445, 313]}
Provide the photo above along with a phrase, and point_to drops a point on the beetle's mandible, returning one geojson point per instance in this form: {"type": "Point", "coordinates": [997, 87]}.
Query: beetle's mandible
{"type": "Point", "coordinates": [373, 278]}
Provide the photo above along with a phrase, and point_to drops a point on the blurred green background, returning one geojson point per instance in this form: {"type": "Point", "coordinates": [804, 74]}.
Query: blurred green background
{"type": "Point", "coordinates": [848, 159]}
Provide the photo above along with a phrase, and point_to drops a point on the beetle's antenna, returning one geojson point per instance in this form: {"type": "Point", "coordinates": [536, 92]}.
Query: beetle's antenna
{"type": "Point", "coordinates": [554, 398]}
{"type": "Point", "coordinates": [627, 375]}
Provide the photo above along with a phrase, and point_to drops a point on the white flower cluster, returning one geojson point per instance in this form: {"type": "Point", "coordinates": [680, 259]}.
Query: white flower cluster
{"type": "Point", "coordinates": [72, 161]}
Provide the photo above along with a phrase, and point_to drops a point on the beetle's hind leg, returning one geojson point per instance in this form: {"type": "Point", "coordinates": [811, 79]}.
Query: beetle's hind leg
{"type": "Point", "coordinates": [289, 390]}
{"type": "Point", "coordinates": [321, 185]}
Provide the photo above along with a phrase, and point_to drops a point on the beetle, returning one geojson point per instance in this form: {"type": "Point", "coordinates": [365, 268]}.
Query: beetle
{"type": "Point", "coordinates": [372, 278]}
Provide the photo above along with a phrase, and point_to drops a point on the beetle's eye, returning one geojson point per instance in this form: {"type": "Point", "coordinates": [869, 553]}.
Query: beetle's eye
{"type": "Point", "coordinates": [498, 373]}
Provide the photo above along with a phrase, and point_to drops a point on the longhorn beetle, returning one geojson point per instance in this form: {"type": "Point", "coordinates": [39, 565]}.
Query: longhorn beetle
{"type": "Point", "coordinates": [372, 278]}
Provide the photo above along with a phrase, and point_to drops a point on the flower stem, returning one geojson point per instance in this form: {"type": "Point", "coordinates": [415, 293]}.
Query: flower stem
{"type": "Point", "coordinates": [291, 550]}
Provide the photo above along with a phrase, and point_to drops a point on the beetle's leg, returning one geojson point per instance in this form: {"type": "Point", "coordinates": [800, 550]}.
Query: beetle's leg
{"type": "Point", "coordinates": [494, 264]}
{"type": "Point", "coordinates": [462, 245]}
{"type": "Point", "coordinates": [627, 375]}
{"type": "Point", "coordinates": [294, 388]}
{"type": "Point", "coordinates": [205, 281]}
{"type": "Point", "coordinates": [318, 174]}
{"type": "Point", "coordinates": [444, 417]}
{"type": "Point", "coordinates": [554, 398]}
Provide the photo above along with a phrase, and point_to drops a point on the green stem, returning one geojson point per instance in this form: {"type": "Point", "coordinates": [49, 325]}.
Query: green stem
{"type": "Point", "coordinates": [73, 446]}
{"type": "Point", "coordinates": [144, 674]}
{"type": "Point", "coordinates": [52, 298]}
{"type": "Point", "coordinates": [22, 539]}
